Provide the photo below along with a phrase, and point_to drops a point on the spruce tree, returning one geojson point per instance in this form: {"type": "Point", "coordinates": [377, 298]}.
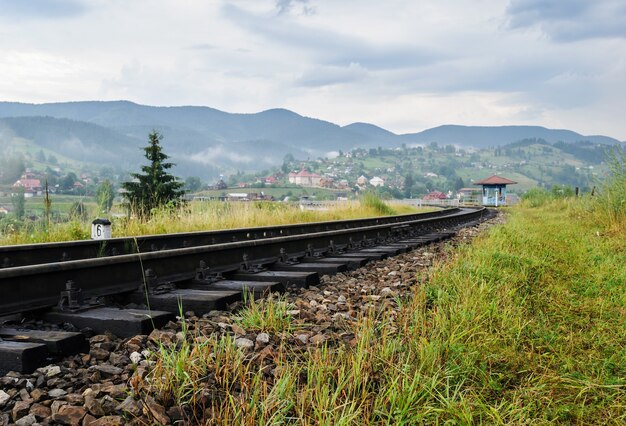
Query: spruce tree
{"type": "Point", "coordinates": [155, 187]}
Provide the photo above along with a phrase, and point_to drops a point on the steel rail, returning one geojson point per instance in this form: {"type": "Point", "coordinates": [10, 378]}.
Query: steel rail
{"type": "Point", "coordinates": [34, 287]}
{"type": "Point", "coordinates": [35, 254]}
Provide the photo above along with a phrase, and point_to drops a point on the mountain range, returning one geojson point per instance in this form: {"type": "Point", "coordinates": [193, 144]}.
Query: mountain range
{"type": "Point", "coordinates": [205, 141]}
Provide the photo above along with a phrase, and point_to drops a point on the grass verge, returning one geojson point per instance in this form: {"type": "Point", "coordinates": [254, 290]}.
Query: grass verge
{"type": "Point", "coordinates": [524, 326]}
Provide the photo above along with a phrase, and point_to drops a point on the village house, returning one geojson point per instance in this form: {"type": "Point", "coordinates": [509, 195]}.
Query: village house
{"type": "Point", "coordinates": [326, 182]}
{"type": "Point", "coordinates": [247, 196]}
{"type": "Point", "coordinates": [85, 177]}
{"type": "Point", "coordinates": [219, 185]}
{"type": "Point", "coordinates": [304, 178]}
{"type": "Point", "coordinates": [376, 181]}
{"type": "Point", "coordinates": [31, 186]}
{"type": "Point", "coordinates": [269, 180]}
{"type": "Point", "coordinates": [361, 181]}
{"type": "Point", "coordinates": [468, 195]}
{"type": "Point", "coordinates": [435, 195]}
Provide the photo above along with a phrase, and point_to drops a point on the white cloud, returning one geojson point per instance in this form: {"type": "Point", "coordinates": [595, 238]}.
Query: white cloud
{"type": "Point", "coordinates": [571, 20]}
{"type": "Point", "coordinates": [402, 65]}
{"type": "Point", "coordinates": [330, 75]}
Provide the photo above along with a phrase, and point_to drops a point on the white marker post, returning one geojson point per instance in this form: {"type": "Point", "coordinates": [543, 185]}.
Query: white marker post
{"type": "Point", "coordinates": [100, 229]}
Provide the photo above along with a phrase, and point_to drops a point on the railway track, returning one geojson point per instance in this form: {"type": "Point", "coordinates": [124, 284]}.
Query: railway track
{"type": "Point", "coordinates": [35, 254]}
{"type": "Point", "coordinates": [130, 286]}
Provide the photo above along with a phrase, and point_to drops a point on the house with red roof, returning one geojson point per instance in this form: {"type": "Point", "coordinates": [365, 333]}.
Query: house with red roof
{"type": "Point", "coordinates": [305, 178]}
{"type": "Point", "coordinates": [31, 186]}
{"type": "Point", "coordinates": [435, 195]}
{"type": "Point", "coordinates": [494, 190]}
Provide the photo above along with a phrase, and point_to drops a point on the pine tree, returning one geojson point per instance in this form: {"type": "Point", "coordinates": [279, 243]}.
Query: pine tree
{"type": "Point", "coordinates": [155, 187]}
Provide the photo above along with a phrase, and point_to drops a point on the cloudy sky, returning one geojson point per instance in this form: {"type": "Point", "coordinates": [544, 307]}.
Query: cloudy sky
{"type": "Point", "coordinates": [405, 65]}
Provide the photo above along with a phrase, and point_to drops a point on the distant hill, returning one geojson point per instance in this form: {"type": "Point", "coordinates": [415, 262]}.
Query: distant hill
{"type": "Point", "coordinates": [205, 142]}
{"type": "Point", "coordinates": [372, 132]}
{"type": "Point", "coordinates": [483, 137]}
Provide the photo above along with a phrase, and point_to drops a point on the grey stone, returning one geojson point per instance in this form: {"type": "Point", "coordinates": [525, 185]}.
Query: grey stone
{"type": "Point", "coordinates": [244, 343]}
{"type": "Point", "coordinates": [26, 421]}
{"type": "Point", "coordinates": [130, 406]}
{"type": "Point", "coordinates": [263, 338]}
{"type": "Point", "coordinates": [92, 404]}
{"type": "Point", "coordinates": [4, 398]}
{"type": "Point", "coordinates": [108, 369]}
{"type": "Point", "coordinates": [50, 370]}
{"type": "Point", "coordinates": [136, 357]}
{"type": "Point", "coordinates": [56, 393]}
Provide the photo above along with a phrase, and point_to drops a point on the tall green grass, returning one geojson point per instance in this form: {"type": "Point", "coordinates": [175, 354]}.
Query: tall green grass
{"type": "Point", "coordinates": [536, 197]}
{"type": "Point", "coordinates": [605, 204]}
{"type": "Point", "coordinates": [198, 216]}
{"type": "Point", "coordinates": [611, 201]}
{"type": "Point", "coordinates": [371, 202]}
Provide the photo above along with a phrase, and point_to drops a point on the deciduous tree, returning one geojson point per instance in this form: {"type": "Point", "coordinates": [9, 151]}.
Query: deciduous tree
{"type": "Point", "coordinates": [19, 203]}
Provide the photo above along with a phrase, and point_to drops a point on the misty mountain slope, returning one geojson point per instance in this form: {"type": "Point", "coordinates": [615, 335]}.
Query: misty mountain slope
{"type": "Point", "coordinates": [75, 139]}
{"type": "Point", "coordinates": [204, 141]}
{"type": "Point", "coordinates": [308, 134]}
{"type": "Point", "coordinates": [278, 125]}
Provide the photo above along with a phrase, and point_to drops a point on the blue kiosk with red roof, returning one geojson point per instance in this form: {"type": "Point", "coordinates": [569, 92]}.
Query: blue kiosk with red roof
{"type": "Point", "coordinates": [494, 190]}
